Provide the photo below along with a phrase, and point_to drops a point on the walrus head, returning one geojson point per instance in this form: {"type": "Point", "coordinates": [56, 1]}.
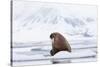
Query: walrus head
{"type": "Point", "coordinates": [59, 43]}
{"type": "Point", "coordinates": [52, 35]}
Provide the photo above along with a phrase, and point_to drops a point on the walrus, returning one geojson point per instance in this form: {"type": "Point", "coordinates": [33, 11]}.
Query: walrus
{"type": "Point", "coordinates": [59, 43]}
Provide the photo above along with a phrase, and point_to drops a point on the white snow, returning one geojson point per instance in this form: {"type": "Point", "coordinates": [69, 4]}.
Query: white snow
{"type": "Point", "coordinates": [75, 54]}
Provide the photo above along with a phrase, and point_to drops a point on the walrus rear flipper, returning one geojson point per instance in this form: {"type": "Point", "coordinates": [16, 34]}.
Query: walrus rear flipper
{"type": "Point", "coordinates": [69, 48]}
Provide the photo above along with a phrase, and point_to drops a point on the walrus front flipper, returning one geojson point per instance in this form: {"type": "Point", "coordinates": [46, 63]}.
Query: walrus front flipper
{"type": "Point", "coordinates": [53, 52]}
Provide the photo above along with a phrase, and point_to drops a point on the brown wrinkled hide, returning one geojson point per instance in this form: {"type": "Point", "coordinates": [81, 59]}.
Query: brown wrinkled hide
{"type": "Point", "coordinates": [59, 43]}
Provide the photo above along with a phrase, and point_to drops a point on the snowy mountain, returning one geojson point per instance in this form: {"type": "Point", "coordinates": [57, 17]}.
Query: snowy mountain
{"type": "Point", "coordinates": [35, 22]}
